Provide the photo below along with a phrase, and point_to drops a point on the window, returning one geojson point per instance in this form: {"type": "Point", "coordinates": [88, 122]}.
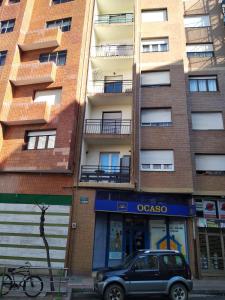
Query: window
{"type": "Point", "coordinates": [2, 57]}
{"type": "Point", "coordinates": [154, 15]}
{"type": "Point", "coordinates": [173, 262]}
{"type": "Point", "coordinates": [207, 120]}
{"type": "Point", "coordinates": [203, 84]}
{"type": "Point", "coordinates": [113, 84]}
{"type": "Point", "coordinates": [157, 160]}
{"type": "Point", "coordinates": [40, 139]}
{"type": "Point", "coordinates": [147, 263]}
{"type": "Point", "coordinates": [210, 164]}
{"type": "Point", "coordinates": [156, 78]}
{"type": "Point", "coordinates": [7, 26]}
{"type": "Point", "coordinates": [156, 117]}
{"type": "Point", "coordinates": [200, 50]}
{"type": "Point", "coordinates": [154, 45]}
{"type": "Point", "coordinates": [63, 24]}
{"type": "Point", "coordinates": [50, 96]}
{"type": "Point", "coordinates": [13, 1]}
{"type": "Point", "coordinates": [58, 57]}
{"type": "Point", "coordinates": [197, 21]}
{"type": "Point", "coordinates": [60, 1]}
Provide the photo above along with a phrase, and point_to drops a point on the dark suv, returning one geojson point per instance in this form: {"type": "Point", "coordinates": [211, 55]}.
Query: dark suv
{"type": "Point", "coordinates": [146, 272]}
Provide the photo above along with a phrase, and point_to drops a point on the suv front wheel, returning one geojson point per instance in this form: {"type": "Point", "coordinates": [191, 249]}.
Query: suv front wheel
{"type": "Point", "coordinates": [178, 292]}
{"type": "Point", "coordinates": [114, 292]}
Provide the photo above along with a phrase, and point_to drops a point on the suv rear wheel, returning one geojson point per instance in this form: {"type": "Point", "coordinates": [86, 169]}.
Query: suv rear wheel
{"type": "Point", "coordinates": [178, 292]}
{"type": "Point", "coordinates": [114, 292]}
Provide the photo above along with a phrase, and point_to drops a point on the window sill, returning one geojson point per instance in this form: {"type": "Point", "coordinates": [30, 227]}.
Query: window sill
{"type": "Point", "coordinates": [157, 171]}
{"type": "Point", "coordinates": [155, 86]}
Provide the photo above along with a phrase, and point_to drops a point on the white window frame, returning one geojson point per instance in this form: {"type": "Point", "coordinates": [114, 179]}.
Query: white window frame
{"type": "Point", "coordinates": [166, 74]}
{"type": "Point", "coordinates": [210, 168]}
{"type": "Point", "coordinates": [34, 139]}
{"type": "Point", "coordinates": [146, 12]}
{"type": "Point", "coordinates": [201, 21]}
{"type": "Point", "coordinates": [156, 123]}
{"type": "Point", "coordinates": [155, 45]}
{"type": "Point", "coordinates": [158, 166]}
{"type": "Point", "coordinates": [40, 96]}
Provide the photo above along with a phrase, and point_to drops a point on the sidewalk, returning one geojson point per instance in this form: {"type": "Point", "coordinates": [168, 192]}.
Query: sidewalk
{"type": "Point", "coordinates": [211, 286]}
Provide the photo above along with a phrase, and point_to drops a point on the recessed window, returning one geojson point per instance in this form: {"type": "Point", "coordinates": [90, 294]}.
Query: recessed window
{"type": "Point", "coordinates": [58, 57]}
{"type": "Point", "coordinates": [60, 1]}
{"type": "Point", "coordinates": [203, 84]}
{"type": "Point", "coordinates": [157, 160]}
{"type": "Point", "coordinates": [210, 164]}
{"type": "Point", "coordinates": [40, 140]}
{"type": "Point", "coordinates": [154, 45]}
{"type": "Point", "coordinates": [159, 15]}
{"type": "Point", "coordinates": [155, 78]}
{"type": "Point", "coordinates": [63, 24]}
{"type": "Point", "coordinates": [7, 26]}
{"type": "Point", "coordinates": [200, 50]}
{"type": "Point", "coordinates": [207, 120]}
{"type": "Point", "coordinates": [2, 57]}
{"type": "Point", "coordinates": [50, 96]}
{"type": "Point", "coordinates": [156, 117]}
{"type": "Point", "coordinates": [196, 21]}
{"type": "Point", "coordinates": [13, 1]}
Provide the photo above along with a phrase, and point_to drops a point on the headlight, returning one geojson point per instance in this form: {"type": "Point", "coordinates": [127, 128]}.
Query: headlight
{"type": "Point", "coordinates": [100, 276]}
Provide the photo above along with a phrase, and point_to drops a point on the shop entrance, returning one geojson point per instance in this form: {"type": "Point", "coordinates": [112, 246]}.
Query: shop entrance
{"type": "Point", "coordinates": [212, 251]}
{"type": "Point", "coordinates": [136, 234]}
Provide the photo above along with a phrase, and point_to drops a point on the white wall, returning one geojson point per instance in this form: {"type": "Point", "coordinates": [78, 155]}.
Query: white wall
{"type": "Point", "coordinates": [96, 112]}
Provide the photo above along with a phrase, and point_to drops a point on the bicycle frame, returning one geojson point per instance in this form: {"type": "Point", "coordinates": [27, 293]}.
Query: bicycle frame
{"type": "Point", "coordinates": [24, 271]}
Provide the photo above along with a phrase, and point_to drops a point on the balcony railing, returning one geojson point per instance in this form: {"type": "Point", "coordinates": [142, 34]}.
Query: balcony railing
{"type": "Point", "coordinates": [110, 86]}
{"type": "Point", "coordinates": [111, 174]}
{"type": "Point", "coordinates": [114, 18]}
{"type": "Point", "coordinates": [106, 126]}
{"type": "Point", "coordinates": [112, 50]}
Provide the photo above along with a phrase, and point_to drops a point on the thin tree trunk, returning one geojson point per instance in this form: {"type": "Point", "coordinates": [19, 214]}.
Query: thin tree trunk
{"type": "Point", "coordinates": [42, 234]}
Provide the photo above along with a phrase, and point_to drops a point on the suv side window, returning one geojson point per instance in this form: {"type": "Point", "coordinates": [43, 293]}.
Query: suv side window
{"type": "Point", "coordinates": [174, 262]}
{"type": "Point", "coordinates": [148, 262]}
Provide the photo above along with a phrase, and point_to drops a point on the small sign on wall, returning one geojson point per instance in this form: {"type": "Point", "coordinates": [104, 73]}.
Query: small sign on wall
{"type": "Point", "coordinates": [83, 200]}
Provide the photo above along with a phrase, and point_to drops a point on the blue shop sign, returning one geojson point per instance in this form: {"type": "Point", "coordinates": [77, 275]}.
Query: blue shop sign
{"type": "Point", "coordinates": [155, 207]}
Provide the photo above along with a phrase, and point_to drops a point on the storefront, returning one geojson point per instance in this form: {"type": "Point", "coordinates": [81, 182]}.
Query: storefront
{"type": "Point", "coordinates": [211, 236]}
{"type": "Point", "coordinates": [127, 221]}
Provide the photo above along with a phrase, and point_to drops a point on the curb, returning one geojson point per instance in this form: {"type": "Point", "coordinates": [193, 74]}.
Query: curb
{"type": "Point", "coordinates": [208, 292]}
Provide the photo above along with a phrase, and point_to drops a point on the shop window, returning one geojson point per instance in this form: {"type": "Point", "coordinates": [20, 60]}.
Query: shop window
{"type": "Point", "coordinates": [63, 24]}
{"type": "Point", "coordinates": [36, 140]}
{"type": "Point", "coordinates": [59, 57]}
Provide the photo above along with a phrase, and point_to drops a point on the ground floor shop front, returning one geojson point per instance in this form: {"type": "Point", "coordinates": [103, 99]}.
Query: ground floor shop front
{"type": "Point", "coordinates": [126, 222]}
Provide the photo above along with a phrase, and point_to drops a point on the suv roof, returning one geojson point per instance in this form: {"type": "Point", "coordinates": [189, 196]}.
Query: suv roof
{"type": "Point", "coordinates": [147, 251]}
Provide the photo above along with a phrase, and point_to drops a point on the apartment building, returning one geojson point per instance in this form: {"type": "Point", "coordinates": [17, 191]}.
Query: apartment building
{"type": "Point", "coordinates": [152, 152]}
{"type": "Point", "coordinates": [40, 45]}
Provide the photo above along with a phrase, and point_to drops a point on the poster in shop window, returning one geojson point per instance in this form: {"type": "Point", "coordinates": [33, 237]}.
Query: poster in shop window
{"type": "Point", "coordinates": [158, 234]}
{"type": "Point", "coordinates": [115, 243]}
{"type": "Point", "coordinates": [209, 208]}
{"type": "Point", "coordinates": [178, 237]}
{"type": "Point", "coordinates": [221, 205]}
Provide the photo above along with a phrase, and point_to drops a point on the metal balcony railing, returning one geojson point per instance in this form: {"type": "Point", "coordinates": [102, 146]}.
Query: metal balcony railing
{"type": "Point", "coordinates": [114, 18]}
{"type": "Point", "coordinates": [112, 50]}
{"type": "Point", "coordinates": [106, 126]}
{"type": "Point", "coordinates": [110, 86]}
{"type": "Point", "coordinates": [112, 174]}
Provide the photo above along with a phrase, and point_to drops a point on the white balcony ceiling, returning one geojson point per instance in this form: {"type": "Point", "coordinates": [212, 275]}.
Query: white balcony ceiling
{"type": "Point", "coordinates": [106, 33]}
{"type": "Point", "coordinates": [115, 6]}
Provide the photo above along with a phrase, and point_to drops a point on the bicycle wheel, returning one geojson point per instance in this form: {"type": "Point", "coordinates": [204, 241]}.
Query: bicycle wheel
{"type": "Point", "coordinates": [33, 286]}
{"type": "Point", "coordinates": [6, 282]}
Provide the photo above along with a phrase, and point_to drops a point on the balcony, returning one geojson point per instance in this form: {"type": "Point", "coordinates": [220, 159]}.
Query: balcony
{"type": "Point", "coordinates": [44, 38]}
{"type": "Point", "coordinates": [33, 73]}
{"type": "Point", "coordinates": [109, 174]}
{"type": "Point", "coordinates": [25, 113]}
{"type": "Point", "coordinates": [110, 86]}
{"type": "Point", "coordinates": [114, 18]}
{"type": "Point", "coordinates": [107, 127]}
{"type": "Point", "coordinates": [112, 51]}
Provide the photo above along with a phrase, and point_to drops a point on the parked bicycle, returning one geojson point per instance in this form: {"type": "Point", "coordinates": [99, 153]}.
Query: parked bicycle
{"type": "Point", "coordinates": [16, 278]}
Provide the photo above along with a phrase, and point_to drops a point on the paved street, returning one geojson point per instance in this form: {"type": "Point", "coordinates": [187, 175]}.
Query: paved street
{"type": "Point", "coordinates": [191, 297]}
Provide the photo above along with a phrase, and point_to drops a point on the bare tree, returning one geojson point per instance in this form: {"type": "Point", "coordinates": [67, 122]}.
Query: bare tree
{"type": "Point", "coordinates": [43, 209]}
